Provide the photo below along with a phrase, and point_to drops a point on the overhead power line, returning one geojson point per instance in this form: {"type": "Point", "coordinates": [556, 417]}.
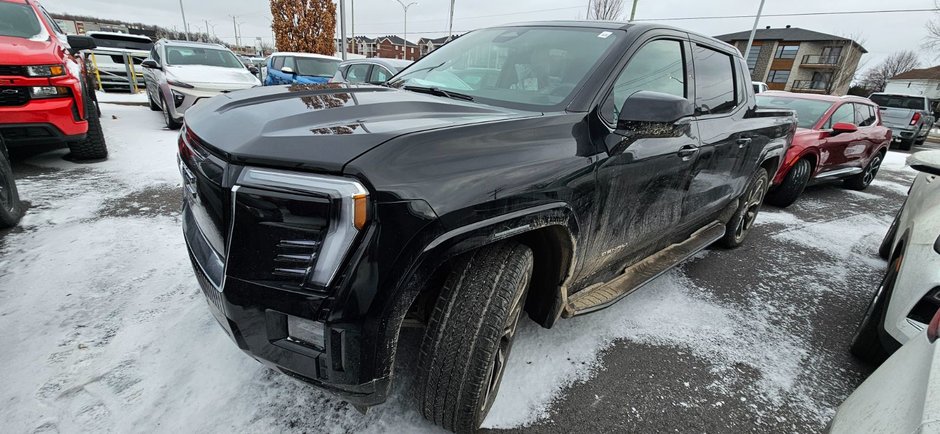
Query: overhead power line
{"type": "Point", "coordinates": [795, 14]}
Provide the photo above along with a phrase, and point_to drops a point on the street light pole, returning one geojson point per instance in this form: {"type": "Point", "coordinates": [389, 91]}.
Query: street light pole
{"type": "Point", "coordinates": [342, 28]}
{"type": "Point", "coordinates": [405, 8]}
{"type": "Point", "coordinates": [185, 26]}
{"type": "Point", "coordinates": [352, 20]}
{"type": "Point", "coordinates": [633, 11]}
{"type": "Point", "coordinates": [750, 40]}
{"type": "Point", "coordinates": [450, 26]}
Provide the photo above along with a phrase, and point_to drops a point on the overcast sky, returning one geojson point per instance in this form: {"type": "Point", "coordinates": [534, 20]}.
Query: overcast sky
{"type": "Point", "coordinates": [881, 34]}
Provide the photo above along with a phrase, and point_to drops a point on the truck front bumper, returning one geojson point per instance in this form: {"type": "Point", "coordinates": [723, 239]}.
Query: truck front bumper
{"type": "Point", "coordinates": [256, 317]}
{"type": "Point", "coordinates": [48, 121]}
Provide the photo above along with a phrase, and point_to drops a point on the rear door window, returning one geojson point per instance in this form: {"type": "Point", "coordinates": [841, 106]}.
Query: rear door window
{"type": "Point", "coordinates": [289, 63]}
{"type": "Point", "coordinates": [715, 90]}
{"type": "Point", "coordinates": [358, 73]}
{"type": "Point", "coordinates": [864, 115]}
{"type": "Point", "coordinates": [379, 75]}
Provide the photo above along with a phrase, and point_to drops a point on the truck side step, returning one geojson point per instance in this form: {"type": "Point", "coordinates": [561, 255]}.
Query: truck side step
{"type": "Point", "coordinates": [635, 276]}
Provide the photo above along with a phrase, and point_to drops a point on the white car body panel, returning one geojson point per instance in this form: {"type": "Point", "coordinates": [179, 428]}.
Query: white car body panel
{"type": "Point", "coordinates": [901, 396]}
{"type": "Point", "coordinates": [919, 226]}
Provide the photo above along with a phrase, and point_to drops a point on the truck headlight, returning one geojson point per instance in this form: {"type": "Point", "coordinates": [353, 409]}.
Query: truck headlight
{"type": "Point", "coordinates": [45, 70]}
{"type": "Point", "coordinates": [38, 92]}
{"type": "Point", "coordinates": [304, 223]}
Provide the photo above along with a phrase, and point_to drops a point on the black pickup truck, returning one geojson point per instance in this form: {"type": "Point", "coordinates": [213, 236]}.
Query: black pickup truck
{"type": "Point", "coordinates": [546, 168]}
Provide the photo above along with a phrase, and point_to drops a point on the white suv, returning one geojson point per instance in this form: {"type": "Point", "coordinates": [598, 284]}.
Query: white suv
{"type": "Point", "coordinates": [179, 74]}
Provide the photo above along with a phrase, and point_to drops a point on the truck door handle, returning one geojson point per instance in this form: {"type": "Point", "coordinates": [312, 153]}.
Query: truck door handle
{"type": "Point", "coordinates": [687, 152]}
{"type": "Point", "coordinates": [743, 141]}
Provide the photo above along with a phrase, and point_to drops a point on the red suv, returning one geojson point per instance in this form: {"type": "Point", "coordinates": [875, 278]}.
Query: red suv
{"type": "Point", "coordinates": [45, 96]}
{"type": "Point", "coordinates": [837, 138]}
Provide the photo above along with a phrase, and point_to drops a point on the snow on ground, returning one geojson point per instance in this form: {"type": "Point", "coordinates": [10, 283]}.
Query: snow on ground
{"type": "Point", "coordinates": [139, 98]}
{"type": "Point", "coordinates": [107, 331]}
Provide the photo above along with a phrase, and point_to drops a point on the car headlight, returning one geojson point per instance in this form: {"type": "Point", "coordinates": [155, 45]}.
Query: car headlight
{"type": "Point", "coordinates": [179, 84]}
{"type": "Point", "coordinates": [45, 70]}
{"type": "Point", "coordinates": [308, 222]}
{"type": "Point", "coordinates": [38, 92]}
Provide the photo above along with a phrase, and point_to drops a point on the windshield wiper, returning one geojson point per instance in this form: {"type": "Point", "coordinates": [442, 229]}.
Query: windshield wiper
{"type": "Point", "coordinates": [439, 92]}
{"type": "Point", "coordinates": [397, 79]}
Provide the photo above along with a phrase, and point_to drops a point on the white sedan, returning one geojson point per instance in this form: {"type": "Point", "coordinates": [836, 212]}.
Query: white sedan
{"type": "Point", "coordinates": [909, 294]}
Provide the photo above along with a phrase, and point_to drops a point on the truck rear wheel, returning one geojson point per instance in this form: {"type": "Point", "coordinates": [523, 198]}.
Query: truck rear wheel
{"type": "Point", "coordinates": [93, 146]}
{"type": "Point", "coordinates": [470, 334]}
{"type": "Point", "coordinates": [792, 186]}
{"type": "Point", "coordinates": [748, 206]}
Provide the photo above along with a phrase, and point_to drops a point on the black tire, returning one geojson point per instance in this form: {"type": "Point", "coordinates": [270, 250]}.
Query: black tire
{"type": "Point", "coordinates": [863, 180]}
{"type": "Point", "coordinates": [470, 333]}
{"type": "Point", "coordinates": [884, 250]}
{"type": "Point", "coordinates": [93, 146]}
{"type": "Point", "coordinates": [792, 186]}
{"type": "Point", "coordinates": [167, 119]}
{"type": "Point", "coordinates": [866, 343]}
{"type": "Point", "coordinates": [749, 204]}
{"type": "Point", "coordinates": [11, 209]}
{"type": "Point", "coordinates": [153, 106]}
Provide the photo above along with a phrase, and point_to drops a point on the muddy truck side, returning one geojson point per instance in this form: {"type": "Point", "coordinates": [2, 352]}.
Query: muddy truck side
{"type": "Point", "coordinates": [540, 169]}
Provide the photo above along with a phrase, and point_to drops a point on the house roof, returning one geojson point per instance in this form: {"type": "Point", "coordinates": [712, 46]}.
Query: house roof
{"type": "Point", "coordinates": [395, 39]}
{"type": "Point", "coordinates": [788, 34]}
{"type": "Point", "coordinates": [932, 73]}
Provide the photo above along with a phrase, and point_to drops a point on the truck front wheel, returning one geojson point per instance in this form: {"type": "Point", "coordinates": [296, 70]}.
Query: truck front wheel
{"type": "Point", "coordinates": [470, 334]}
{"type": "Point", "coordinates": [93, 146]}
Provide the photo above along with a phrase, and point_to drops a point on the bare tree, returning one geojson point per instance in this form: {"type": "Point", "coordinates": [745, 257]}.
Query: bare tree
{"type": "Point", "coordinates": [932, 40]}
{"type": "Point", "coordinates": [606, 10]}
{"type": "Point", "coordinates": [897, 63]}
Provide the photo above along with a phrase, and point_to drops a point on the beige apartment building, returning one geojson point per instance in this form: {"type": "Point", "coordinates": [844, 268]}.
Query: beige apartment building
{"type": "Point", "coordinates": [800, 60]}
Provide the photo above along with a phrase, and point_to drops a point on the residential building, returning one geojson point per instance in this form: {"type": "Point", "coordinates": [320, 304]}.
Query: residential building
{"type": "Point", "coordinates": [800, 60]}
{"type": "Point", "coordinates": [428, 45]}
{"type": "Point", "coordinates": [391, 47]}
{"type": "Point", "coordinates": [925, 81]}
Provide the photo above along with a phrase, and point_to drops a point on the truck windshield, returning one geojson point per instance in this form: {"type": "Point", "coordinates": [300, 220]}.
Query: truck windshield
{"type": "Point", "coordinates": [182, 55]}
{"type": "Point", "coordinates": [899, 101]}
{"type": "Point", "coordinates": [808, 111]}
{"type": "Point", "coordinates": [312, 67]}
{"type": "Point", "coordinates": [525, 67]}
{"type": "Point", "coordinates": [19, 20]}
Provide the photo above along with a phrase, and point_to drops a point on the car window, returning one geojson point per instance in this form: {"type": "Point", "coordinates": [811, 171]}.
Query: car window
{"type": "Point", "coordinates": [357, 73]}
{"type": "Point", "coordinates": [845, 113]}
{"type": "Point", "coordinates": [379, 75]}
{"type": "Point", "coordinates": [277, 63]}
{"type": "Point", "coordinates": [864, 116]}
{"type": "Point", "coordinates": [714, 81]}
{"type": "Point", "coordinates": [658, 66]}
{"type": "Point", "coordinates": [899, 101]}
{"type": "Point", "coordinates": [155, 55]}
{"type": "Point", "coordinates": [315, 67]}
{"type": "Point", "coordinates": [186, 55]}
{"type": "Point", "coordinates": [289, 63]}
{"type": "Point", "coordinates": [19, 21]}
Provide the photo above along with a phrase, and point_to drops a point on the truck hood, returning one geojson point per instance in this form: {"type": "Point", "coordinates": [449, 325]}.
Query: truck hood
{"type": "Point", "coordinates": [22, 51]}
{"type": "Point", "coordinates": [322, 127]}
{"type": "Point", "coordinates": [897, 117]}
{"type": "Point", "coordinates": [213, 77]}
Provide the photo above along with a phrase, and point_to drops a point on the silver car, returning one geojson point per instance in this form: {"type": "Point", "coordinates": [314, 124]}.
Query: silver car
{"type": "Point", "coordinates": [180, 74]}
{"type": "Point", "coordinates": [372, 70]}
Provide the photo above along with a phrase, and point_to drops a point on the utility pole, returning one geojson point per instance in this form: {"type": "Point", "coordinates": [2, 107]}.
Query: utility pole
{"type": "Point", "coordinates": [405, 8]}
{"type": "Point", "coordinates": [587, 15]}
{"type": "Point", "coordinates": [750, 40]}
{"type": "Point", "coordinates": [450, 26]}
{"type": "Point", "coordinates": [633, 11]}
{"type": "Point", "coordinates": [235, 26]}
{"type": "Point", "coordinates": [185, 27]}
{"type": "Point", "coordinates": [352, 20]}
{"type": "Point", "coordinates": [342, 28]}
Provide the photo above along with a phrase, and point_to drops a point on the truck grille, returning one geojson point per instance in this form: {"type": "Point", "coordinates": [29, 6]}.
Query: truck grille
{"type": "Point", "coordinates": [18, 71]}
{"type": "Point", "coordinates": [13, 95]}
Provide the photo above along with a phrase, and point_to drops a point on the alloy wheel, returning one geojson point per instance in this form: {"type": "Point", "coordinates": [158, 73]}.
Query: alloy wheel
{"type": "Point", "coordinates": [872, 169]}
{"type": "Point", "coordinates": [751, 208]}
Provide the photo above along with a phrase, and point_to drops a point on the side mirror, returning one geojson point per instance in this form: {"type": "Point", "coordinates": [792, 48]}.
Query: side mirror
{"type": "Point", "coordinates": [287, 70]}
{"type": "Point", "coordinates": [78, 43]}
{"type": "Point", "coordinates": [925, 161]}
{"type": "Point", "coordinates": [843, 127]}
{"type": "Point", "coordinates": [654, 107]}
{"type": "Point", "coordinates": [253, 69]}
{"type": "Point", "coordinates": [149, 63]}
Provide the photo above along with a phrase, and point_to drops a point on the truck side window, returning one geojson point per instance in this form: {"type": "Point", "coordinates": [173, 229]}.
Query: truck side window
{"type": "Point", "coordinates": [715, 90]}
{"type": "Point", "coordinates": [657, 66]}
{"type": "Point", "coordinates": [845, 113]}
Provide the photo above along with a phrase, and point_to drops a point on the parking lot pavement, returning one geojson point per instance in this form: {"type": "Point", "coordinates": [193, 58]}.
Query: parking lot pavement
{"type": "Point", "coordinates": [105, 329]}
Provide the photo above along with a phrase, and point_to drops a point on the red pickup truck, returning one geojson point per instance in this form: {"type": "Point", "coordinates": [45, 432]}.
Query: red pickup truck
{"type": "Point", "coordinates": [45, 94]}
